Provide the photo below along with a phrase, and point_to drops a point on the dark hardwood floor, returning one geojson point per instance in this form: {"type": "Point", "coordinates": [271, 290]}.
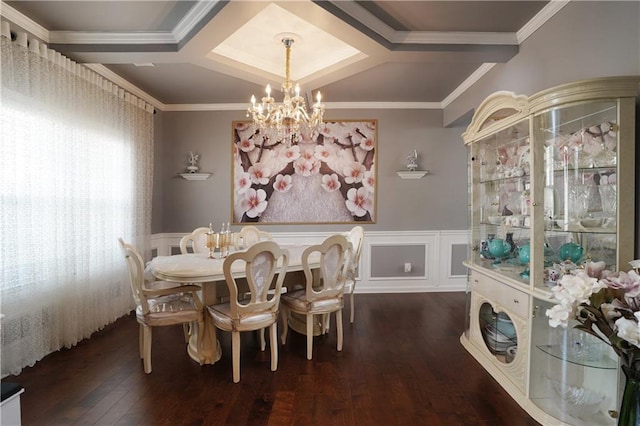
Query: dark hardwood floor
{"type": "Point", "coordinates": [402, 364]}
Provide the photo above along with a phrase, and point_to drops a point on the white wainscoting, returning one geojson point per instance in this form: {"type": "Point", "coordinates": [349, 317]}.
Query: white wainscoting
{"type": "Point", "coordinates": [437, 257]}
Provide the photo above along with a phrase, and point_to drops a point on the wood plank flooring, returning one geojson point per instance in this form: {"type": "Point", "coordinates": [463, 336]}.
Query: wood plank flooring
{"type": "Point", "coordinates": [402, 364]}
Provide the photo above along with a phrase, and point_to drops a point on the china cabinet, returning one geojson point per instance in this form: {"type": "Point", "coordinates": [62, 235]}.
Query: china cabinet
{"type": "Point", "coordinates": [551, 187]}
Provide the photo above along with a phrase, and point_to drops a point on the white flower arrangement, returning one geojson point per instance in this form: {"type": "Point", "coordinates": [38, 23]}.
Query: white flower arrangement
{"type": "Point", "coordinates": [606, 306]}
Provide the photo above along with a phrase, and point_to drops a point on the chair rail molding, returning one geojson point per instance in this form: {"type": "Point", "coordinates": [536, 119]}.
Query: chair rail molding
{"type": "Point", "coordinates": [431, 253]}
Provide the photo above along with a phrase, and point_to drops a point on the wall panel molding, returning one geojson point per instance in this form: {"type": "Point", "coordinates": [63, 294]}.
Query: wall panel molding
{"type": "Point", "coordinates": [430, 251]}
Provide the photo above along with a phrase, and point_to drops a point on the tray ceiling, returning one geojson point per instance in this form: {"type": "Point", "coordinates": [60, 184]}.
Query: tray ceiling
{"type": "Point", "coordinates": [203, 54]}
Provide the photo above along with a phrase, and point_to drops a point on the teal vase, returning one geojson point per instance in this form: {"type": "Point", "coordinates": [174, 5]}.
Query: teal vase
{"type": "Point", "coordinates": [630, 408]}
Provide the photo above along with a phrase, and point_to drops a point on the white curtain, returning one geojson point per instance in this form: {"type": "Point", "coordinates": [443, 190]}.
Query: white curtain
{"type": "Point", "coordinates": [76, 158]}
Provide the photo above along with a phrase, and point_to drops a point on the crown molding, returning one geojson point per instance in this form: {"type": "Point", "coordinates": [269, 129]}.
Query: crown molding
{"type": "Point", "coordinates": [126, 85]}
{"type": "Point", "coordinates": [86, 37]}
{"type": "Point", "coordinates": [24, 22]}
{"type": "Point", "coordinates": [383, 105]}
{"type": "Point", "coordinates": [362, 15]}
{"type": "Point", "coordinates": [193, 18]}
{"type": "Point", "coordinates": [547, 12]}
{"type": "Point", "coordinates": [447, 37]}
{"type": "Point", "coordinates": [188, 22]}
{"type": "Point", "coordinates": [328, 105]}
{"type": "Point", "coordinates": [205, 107]}
{"type": "Point", "coordinates": [470, 81]}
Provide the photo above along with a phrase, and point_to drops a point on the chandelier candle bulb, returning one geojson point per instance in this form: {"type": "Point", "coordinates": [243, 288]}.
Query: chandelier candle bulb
{"type": "Point", "coordinates": [283, 122]}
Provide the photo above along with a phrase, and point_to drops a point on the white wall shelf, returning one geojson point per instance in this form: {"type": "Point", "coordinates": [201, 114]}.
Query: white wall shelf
{"type": "Point", "coordinates": [412, 174]}
{"type": "Point", "coordinates": [195, 176]}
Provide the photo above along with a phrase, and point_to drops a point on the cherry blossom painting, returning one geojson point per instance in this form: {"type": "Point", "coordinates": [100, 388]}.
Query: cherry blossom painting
{"type": "Point", "coordinates": [327, 176]}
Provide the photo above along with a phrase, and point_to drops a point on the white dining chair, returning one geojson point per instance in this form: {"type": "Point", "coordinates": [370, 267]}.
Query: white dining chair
{"type": "Point", "coordinates": [249, 235]}
{"type": "Point", "coordinates": [355, 237]}
{"type": "Point", "coordinates": [323, 295]}
{"type": "Point", "coordinates": [196, 241]}
{"type": "Point", "coordinates": [260, 309]}
{"type": "Point", "coordinates": [160, 303]}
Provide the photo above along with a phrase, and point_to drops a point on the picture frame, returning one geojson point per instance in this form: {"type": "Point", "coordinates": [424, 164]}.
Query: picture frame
{"type": "Point", "coordinates": [327, 175]}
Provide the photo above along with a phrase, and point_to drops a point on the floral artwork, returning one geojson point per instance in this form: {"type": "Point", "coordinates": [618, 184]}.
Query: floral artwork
{"type": "Point", "coordinates": [328, 175]}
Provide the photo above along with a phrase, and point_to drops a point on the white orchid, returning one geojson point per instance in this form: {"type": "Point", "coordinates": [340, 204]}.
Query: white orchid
{"type": "Point", "coordinates": [629, 330]}
{"type": "Point", "coordinates": [559, 315]}
{"type": "Point", "coordinates": [608, 308]}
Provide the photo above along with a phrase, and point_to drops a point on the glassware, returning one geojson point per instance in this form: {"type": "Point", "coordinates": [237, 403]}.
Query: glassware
{"type": "Point", "coordinates": [509, 240]}
{"type": "Point", "coordinates": [211, 241]}
{"type": "Point", "coordinates": [608, 198]}
{"type": "Point", "coordinates": [484, 250]}
{"type": "Point", "coordinates": [571, 251]}
{"type": "Point", "coordinates": [578, 202]}
{"type": "Point", "coordinates": [524, 255]}
{"type": "Point", "coordinates": [630, 407]}
{"type": "Point", "coordinates": [500, 249]}
{"type": "Point", "coordinates": [224, 240]}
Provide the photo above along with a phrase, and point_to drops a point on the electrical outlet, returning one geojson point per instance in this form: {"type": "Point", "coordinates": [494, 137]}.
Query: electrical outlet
{"type": "Point", "coordinates": [407, 267]}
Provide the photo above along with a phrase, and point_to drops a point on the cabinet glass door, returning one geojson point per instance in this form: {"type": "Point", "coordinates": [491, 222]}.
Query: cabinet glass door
{"type": "Point", "coordinates": [500, 192]}
{"type": "Point", "coordinates": [574, 375]}
{"type": "Point", "coordinates": [580, 181]}
{"type": "Point", "coordinates": [499, 333]}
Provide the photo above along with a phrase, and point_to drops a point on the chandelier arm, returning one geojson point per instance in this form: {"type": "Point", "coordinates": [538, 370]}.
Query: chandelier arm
{"type": "Point", "coordinates": [285, 118]}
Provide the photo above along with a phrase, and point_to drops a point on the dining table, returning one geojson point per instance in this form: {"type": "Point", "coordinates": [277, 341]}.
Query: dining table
{"type": "Point", "coordinates": [208, 272]}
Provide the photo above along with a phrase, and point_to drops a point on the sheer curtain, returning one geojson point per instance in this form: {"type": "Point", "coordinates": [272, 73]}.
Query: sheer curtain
{"type": "Point", "coordinates": [76, 156]}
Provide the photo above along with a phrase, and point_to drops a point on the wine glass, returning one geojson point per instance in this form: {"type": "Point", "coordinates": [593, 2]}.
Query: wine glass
{"type": "Point", "coordinates": [211, 242]}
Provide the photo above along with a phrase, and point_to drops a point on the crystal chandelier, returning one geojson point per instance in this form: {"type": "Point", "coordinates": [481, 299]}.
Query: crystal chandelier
{"type": "Point", "coordinates": [285, 120]}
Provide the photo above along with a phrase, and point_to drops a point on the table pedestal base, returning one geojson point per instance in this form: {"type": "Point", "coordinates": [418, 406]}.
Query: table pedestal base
{"type": "Point", "coordinates": [210, 352]}
{"type": "Point", "coordinates": [298, 323]}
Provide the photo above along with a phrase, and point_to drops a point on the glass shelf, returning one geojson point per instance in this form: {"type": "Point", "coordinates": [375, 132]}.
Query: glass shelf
{"type": "Point", "coordinates": [588, 356]}
{"type": "Point", "coordinates": [510, 268]}
{"type": "Point", "coordinates": [506, 179]}
{"type": "Point", "coordinates": [580, 113]}
{"type": "Point", "coordinates": [605, 168]}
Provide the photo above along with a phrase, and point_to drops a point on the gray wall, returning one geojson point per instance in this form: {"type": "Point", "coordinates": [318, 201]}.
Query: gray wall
{"type": "Point", "coordinates": [438, 201]}
{"type": "Point", "coordinates": [583, 40]}
{"type": "Point", "coordinates": [586, 39]}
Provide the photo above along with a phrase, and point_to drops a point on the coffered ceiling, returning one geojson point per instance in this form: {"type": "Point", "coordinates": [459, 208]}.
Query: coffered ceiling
{"type": "Point", "coordinates": [190, 55]}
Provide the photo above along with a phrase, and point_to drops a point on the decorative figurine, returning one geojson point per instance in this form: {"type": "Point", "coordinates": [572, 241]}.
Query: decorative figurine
{"type": "Point", "coordinates": [193, 162]}
{"type": "Point", "coordinates": [412, 161]}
